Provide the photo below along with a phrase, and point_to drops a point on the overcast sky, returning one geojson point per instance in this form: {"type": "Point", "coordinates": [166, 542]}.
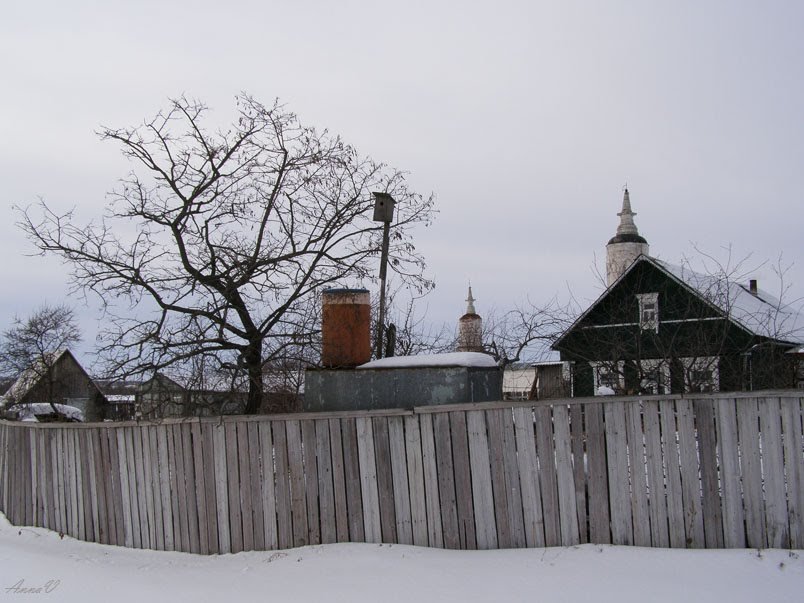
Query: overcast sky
{"type": "Point", "coordinates": [524, 118]}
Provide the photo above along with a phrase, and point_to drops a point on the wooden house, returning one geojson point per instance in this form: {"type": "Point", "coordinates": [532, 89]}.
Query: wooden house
{"type": "Point", "coordinates": [60, 380]}
{"type": "Point", "coordinates": [662, 329]}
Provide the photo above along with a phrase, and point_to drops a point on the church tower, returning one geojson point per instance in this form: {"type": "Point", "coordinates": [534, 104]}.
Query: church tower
{"type": "Point", "coordinates": [470, 328]}
{"type": "Point", "coordinates": [626, 246]}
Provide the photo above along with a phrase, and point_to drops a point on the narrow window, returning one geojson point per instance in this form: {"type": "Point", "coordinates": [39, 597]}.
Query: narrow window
{"type": "Point", "coordinates": [648, 311]}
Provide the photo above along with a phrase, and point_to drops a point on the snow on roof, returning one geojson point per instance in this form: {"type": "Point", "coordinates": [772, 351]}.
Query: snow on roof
{"type": "Point", "coordinates": [31, 376]}
{"type": "Point", "coordinates": [761, 313]}
{"type": "Point", "coordinates": [29, 412]}
{"type": "Point", "coordinates": [467, 359]}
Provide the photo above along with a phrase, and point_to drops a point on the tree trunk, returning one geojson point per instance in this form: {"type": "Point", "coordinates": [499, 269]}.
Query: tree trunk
{"type": "Point", "coordinates": [253, 361]}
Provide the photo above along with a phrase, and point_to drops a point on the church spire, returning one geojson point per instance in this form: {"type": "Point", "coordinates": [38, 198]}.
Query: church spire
{"type": "Point", "coordinates": [470, 328]}
{"type": "Point", "coordinates": [627, 245]}
{"type": "Point", "coordinates": [627, 226]}
{"type": "Point", "coordinates": [470, 302]}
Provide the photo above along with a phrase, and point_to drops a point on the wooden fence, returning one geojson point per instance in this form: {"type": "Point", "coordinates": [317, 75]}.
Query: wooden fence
{"type": "Point", "coordinates": [712, 472]}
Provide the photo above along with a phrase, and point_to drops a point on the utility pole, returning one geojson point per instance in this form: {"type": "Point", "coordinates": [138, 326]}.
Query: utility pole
{"type": "Point", "coordinates": [383, 212]}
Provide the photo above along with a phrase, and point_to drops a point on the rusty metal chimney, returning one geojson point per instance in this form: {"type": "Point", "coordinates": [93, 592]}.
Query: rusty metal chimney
{"type": "Point", "coordinates": [345, 328]}
{"type": "Point", "coordinates": [752, 286]}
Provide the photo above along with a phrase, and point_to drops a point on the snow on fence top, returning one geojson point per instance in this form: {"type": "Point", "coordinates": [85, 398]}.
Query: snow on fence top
{"type": "Point", "coordinates": [467, 359]}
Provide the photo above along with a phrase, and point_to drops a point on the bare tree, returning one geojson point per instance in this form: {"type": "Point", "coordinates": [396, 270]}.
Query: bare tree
{"type": "Point", "coordinates": [525, 332]}
{"type": "Point", "coordinates": [30, 348]}
{"type": "Point", "coordinates": [219, 241]}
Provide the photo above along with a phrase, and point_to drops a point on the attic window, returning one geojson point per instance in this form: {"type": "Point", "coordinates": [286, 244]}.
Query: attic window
{"type": "Point", "coordinates": [648, 311]}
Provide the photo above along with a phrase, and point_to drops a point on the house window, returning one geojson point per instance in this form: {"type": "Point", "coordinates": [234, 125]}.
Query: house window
{"type": "Point", "coordinates": [648, 311]}
{"type": "Point", "coordinates": [607, 377]}
{"type": "Point", "coordinates": [651, 382]}
{"type": "Point", "coordinates": [702, 380]}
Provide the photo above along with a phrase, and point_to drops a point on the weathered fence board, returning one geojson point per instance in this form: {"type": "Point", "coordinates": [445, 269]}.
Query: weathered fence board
{"type": "Point", "coordinates": [528, 478]}
{"type": "Point", "coordinates": [794, 465]}
{"type": "Point", "coordinates": [545, 452]}
{"type": "Point", "coordinates": [446, 481]}
{"type": "Point", "coordinates": [482, 493]}
{"type": "Point", "coordinates": [672, 463]}
{"type": "Point", "coordinates": [773, 468]}
{"type": "Point", "coordinates": [622, 531]}
{"type": "Point", "coordinates": [435, 537]}
{"type": "Point", "coordinates": [731, 486]}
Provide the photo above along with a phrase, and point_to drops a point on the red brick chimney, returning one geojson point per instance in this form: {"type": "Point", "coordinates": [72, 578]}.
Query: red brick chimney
{"type": "Point", "coordinates": [345, 328]}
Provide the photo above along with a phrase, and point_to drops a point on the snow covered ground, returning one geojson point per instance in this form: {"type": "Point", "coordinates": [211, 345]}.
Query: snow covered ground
{"type": "Point", "coordinates": [69, 570]}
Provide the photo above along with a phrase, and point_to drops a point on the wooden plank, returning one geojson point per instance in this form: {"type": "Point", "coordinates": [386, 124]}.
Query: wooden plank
{"type": "Point", "coordinates": [639, 481]}
{"type": "Point", "coordinates": [599, 518]}
{"type": "Point", "coordinates": [210, 486]}
{"type": "Point", "coordinates": [446, 481]}
{"type": "Point", "coordinates": [730, 483]}
{"type": "Point", "coordinates": [690, 476]}
{"type": "Point", "coordinates": [298, 499]}
{"type": "Point", "coordinates": [418, 504]}
{"type": "Point", "coordinates": [128, 539]}
{"type": "Point", "coordinates": [351, 467]}
{"type": "Point", "coordinates": [435, 536]}
{"type": "Point", "coordinates": [283, 496]}
{"type": "Point", "coordinates": [163, 459]}
{"type": "Point", "coordinates": [515, 515]}
{"type": "Point", "coordinates": [271, 537]}
{"type": "Point", "coordinates": [82, 460]}
{"type": "Point", "coordinates": [500, 503]}
{"type": "Point", "coordinates": [385, 481]}
{"type": "Point", "coordinates": [754, 505]}
{"type": "Point", "coordinates": [707, 450]}
{"type": "Point", "coordinates": [463, 480]}
{"type": "Point", "coordinates": [116, 487]}
{"type": "Point", "coordinates": [137, 487]}
{"type": "Point", "coordinates": [622, 531]}
{"type": "Point", "coordinates": [326, 492]}
{"type": "Point", "coordinates": [76, 519]}
{"type": "Point", "coordinates": [153, 469]}
{"type": "Point", "coordinates": [200, 487]}
{"type": "Point", "coordinates": [338, 481]}
{"type": "Point", "coordinates": [368, 480]}
{"type": "Point", "coordinates": [256, 485]}
{"type": "Point", "coordinates": [47, 472]}
{"type": "Point", "coordinates": [482, 490]}
{"type": "Point", "coordinates": [529, 478]}
{"type": "Point", "coordinates": [675, 505]}
{"type": "Point", "coordinates": [33, 463]}
{"type": "Point", "coordinates": [145, 487]}
{"type": "Point", "coordinates": [578, 436]}
{"type": "Point", "coordinates": [189, 487]}
{"type": "Point", "coordinates": [233, 487]}
{"type": "Point", "coordinates": [659, 527]}
{"type": "Point", "coordinates": [773, 469]}
{"type": "Point", "coordinates": [401, 487]}
{"type": "Point", "coordinates": [794, 468]}
{"type": "Point", "coordinates": [221, 489]}
{"type": "Point", "coordinates": [244, 485]}
{"type": "Point", "coordinates": [545, 451]}
{"type": "Point", "coordinates": [91, 489]}
{"type": "Point", "coordinates": [567, 510]}
{"type": "Point", "coordinates": [182, 520]}
{"type": "Point", "coordinates": [311, 482]}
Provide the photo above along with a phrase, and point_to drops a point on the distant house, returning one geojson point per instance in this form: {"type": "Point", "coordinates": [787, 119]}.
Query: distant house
{"type": "Point", "coordinates": [64, 382]}
{"type": "Point", "coordinates": [161, 397]}
{"type": "Point", "coordinates": [518, 379]}
{"type": "Point", "coordinates": [551, 380]}
{"type": "Point", "coordinates": [660, 328]}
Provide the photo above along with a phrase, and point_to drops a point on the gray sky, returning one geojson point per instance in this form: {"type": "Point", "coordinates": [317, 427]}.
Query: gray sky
{"type": "Point", "coordinates": [524, 118]}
